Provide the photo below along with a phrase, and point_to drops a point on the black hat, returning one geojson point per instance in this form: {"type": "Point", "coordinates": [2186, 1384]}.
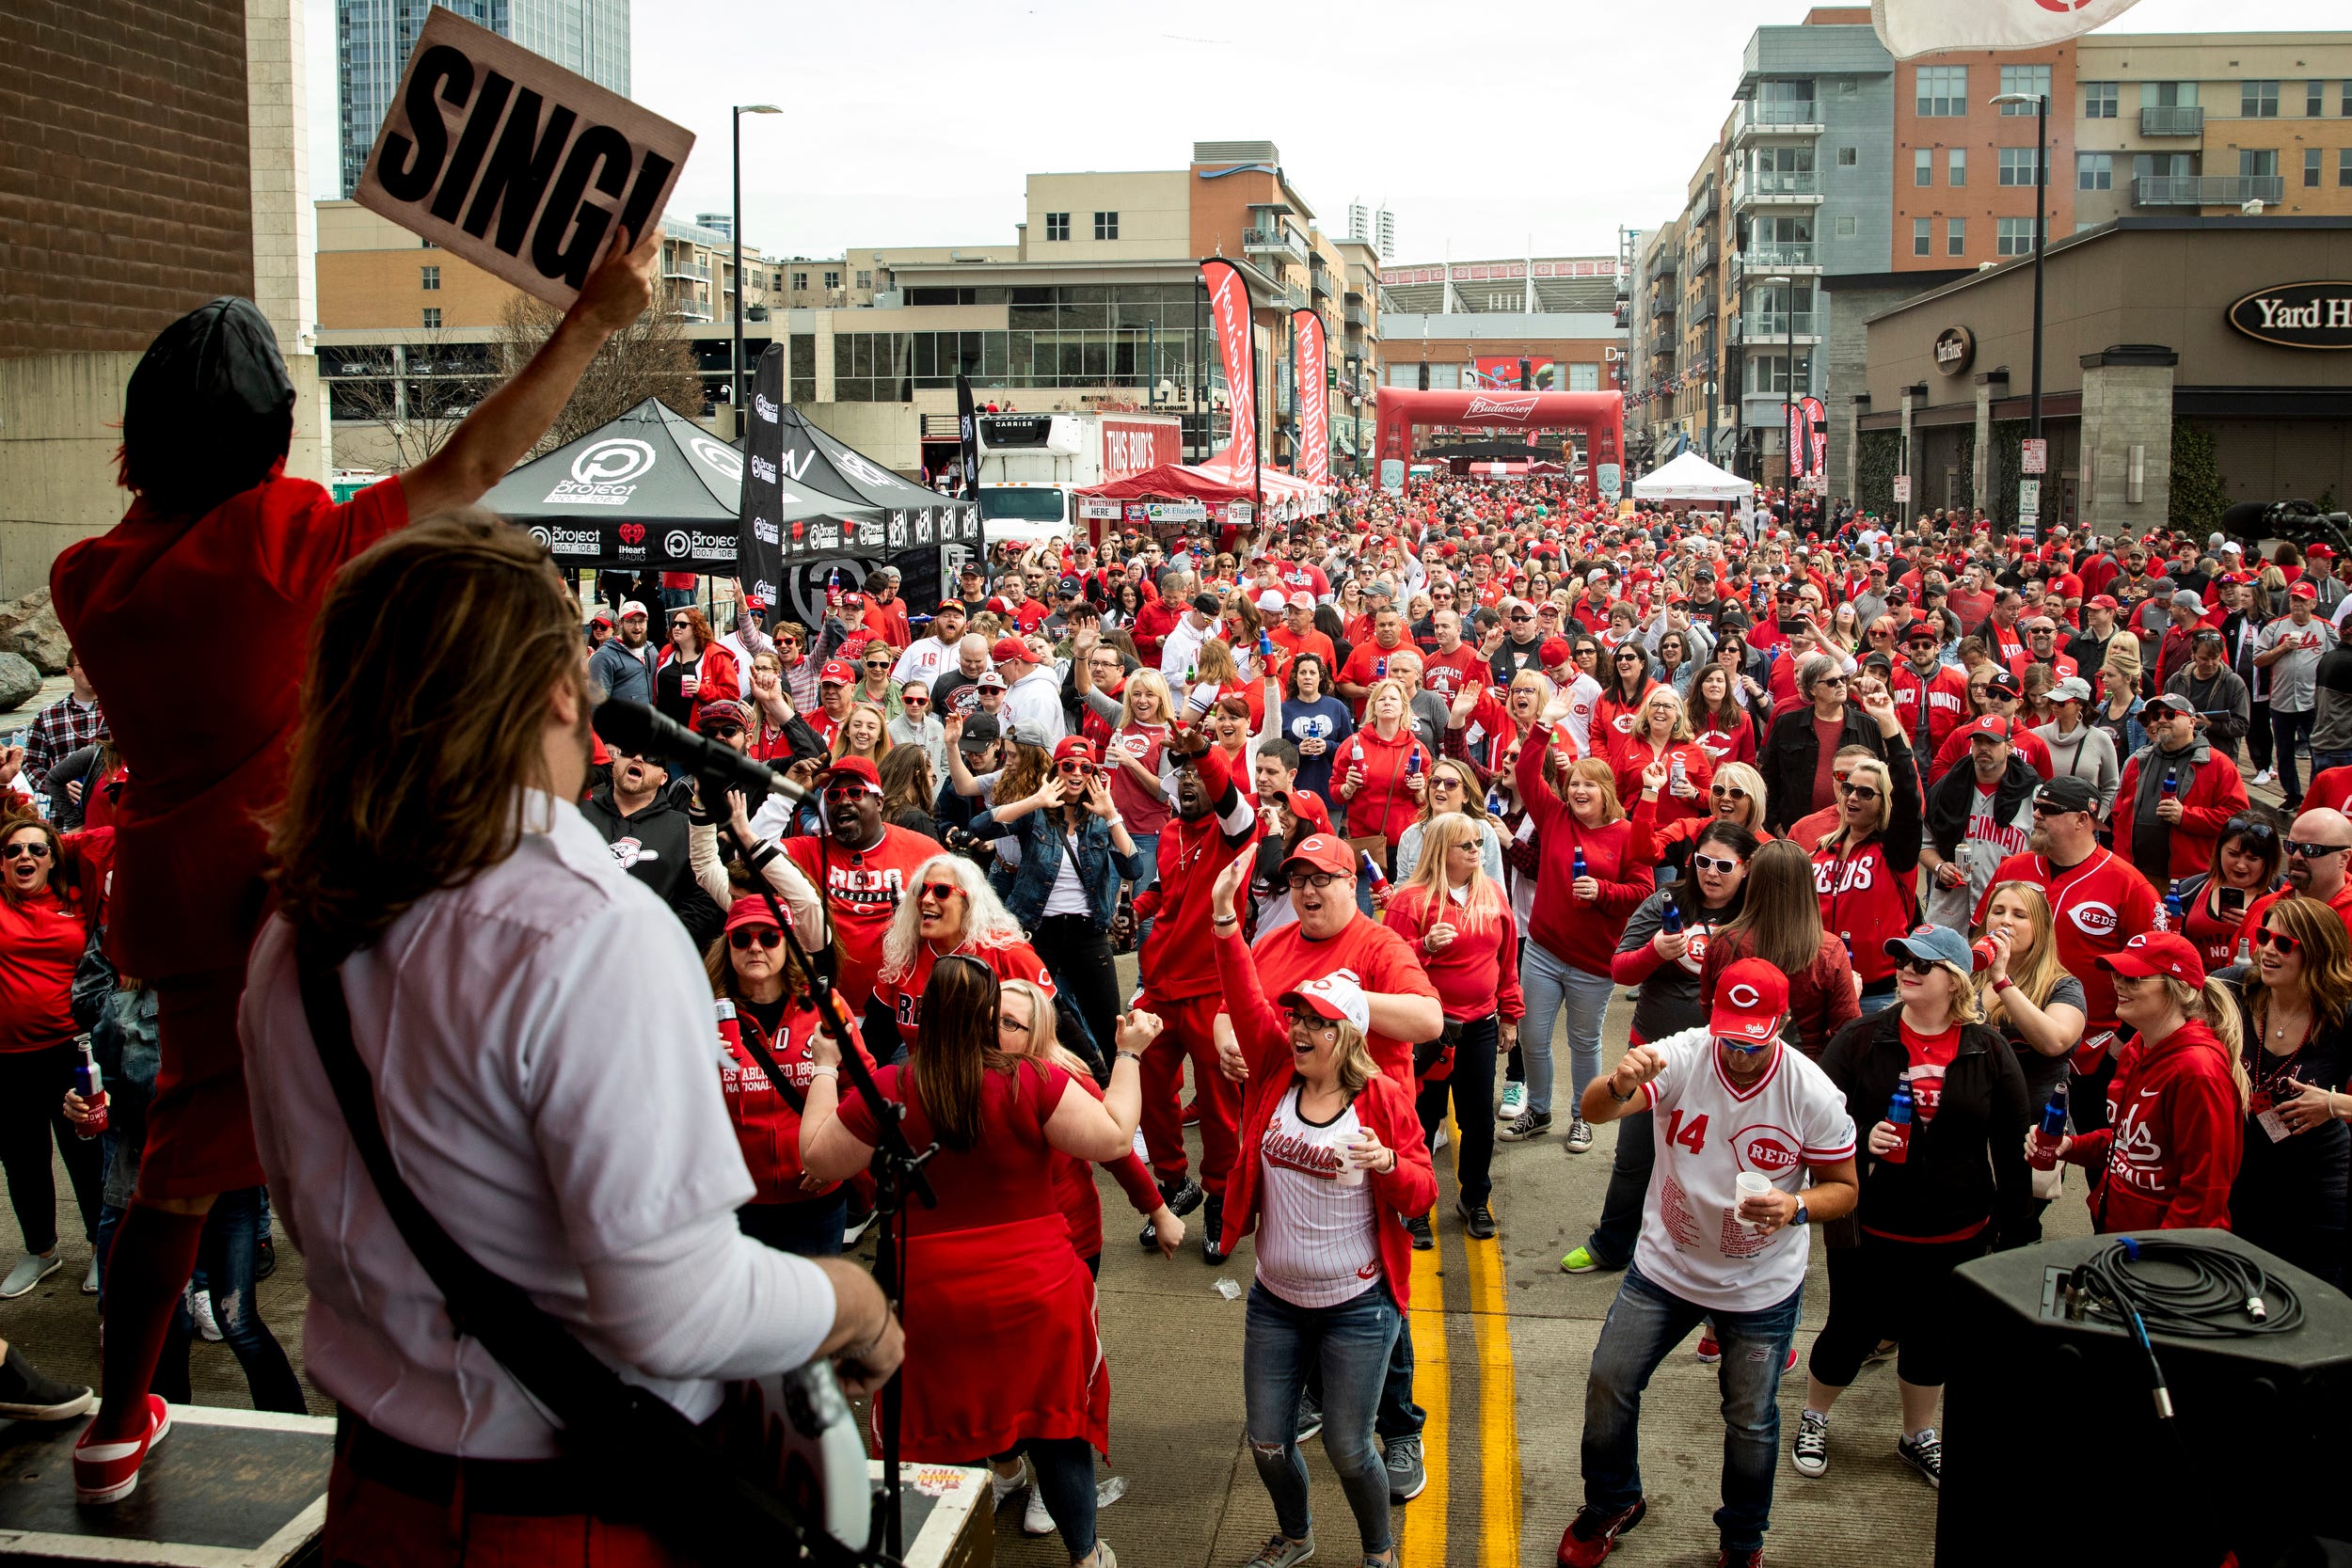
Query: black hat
{"type": "Point", "coordinates": [221, 357]}
{"type": "Point", "coordinates": [979, 734]}
{"type": "Point", "coordinates": [1206, 604]}
{"type": "Point", "coordinates": [2067, 793]}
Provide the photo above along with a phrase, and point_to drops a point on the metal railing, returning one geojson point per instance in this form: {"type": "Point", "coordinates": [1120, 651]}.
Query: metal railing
{"type": "Point", "coordinates": [1793, 118]}
{"type": "Point", "coordinates": [1357, 316]}
{"type": "Point", "coordinates": [1775, 258]}
{"type": "Point", "coordinates": [1277, 240]}
{"type": "Point", "coordinates": [2186, 120]}
{"type": "Point", "coordinates": [1702, 258]}
{"type": "Point", "coordinates": [1320, 282]}
{"type": "Point", "coordinates": [1754, 183]}
{"type": "Point", "coordinates": [2207, 190]}
{"type": "Point", "coordinates": [1704, 311]}
{"type": "Point", "coordinates": [1293, 297]}
{"type": "Point", "coordinates": [1764, 327]}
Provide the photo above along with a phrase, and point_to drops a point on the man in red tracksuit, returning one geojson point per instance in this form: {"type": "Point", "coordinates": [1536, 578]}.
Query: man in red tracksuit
{"type": "Point", "coordinates": [1930, 697]}
{"type": "Point", "coordinates": [1213, 823]}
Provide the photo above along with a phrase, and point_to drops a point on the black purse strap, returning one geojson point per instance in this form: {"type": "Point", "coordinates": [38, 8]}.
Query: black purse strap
{"type": "Point", "coordinates": [634, 1439]}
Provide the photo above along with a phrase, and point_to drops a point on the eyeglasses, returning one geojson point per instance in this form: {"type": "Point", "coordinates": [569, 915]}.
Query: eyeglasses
{"type": "Point", "coordinates": [1911, 963]}
{"type": "Point", "coordinates": [1316, 879]}
{"type": "Point", "coordinates": [680, 621]}
{"type": "Point", "coordinates": [1858, 792]}
{"type": "Point", "coordinates": [742, 936]}
{"type": "Point", "coordinates": [1830, 680]}
{"type": "Point", "coordinates": [1443, 782]}
{"type": "Point", "coordinates": [36, 851]}
{"type": "Point", "coordinates": [1741, 1048]}
{"type": "Point", "coordinates": [1708, 862]}
{"type": "Point", "coordinates": [2315, 851]}
{"type": "Point", "coordinates": [2280, 942]}
{"type": "Point", "coordinates": [938, 892]}
{"type": "Point", "coordinates": [1314, 1022]}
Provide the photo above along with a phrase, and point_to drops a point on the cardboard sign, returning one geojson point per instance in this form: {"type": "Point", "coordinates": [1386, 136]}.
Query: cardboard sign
{"type": "Point", "coordinates": [505, 159]}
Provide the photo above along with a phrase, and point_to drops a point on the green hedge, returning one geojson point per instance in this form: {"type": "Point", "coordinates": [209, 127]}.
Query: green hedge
{"type": "Point", "coordinates": [1878, 457]}
{"type": "Point", "coordinates": [2197, 499]}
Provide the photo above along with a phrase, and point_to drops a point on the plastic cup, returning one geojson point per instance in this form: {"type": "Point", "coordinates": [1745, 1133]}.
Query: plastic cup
{"type": "Point", "coordinates": [1751, 1186]}
{"type": "Point", "coordinates": [1351, 1174]}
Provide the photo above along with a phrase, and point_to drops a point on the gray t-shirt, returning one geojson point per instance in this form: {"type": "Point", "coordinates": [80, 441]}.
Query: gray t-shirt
{"type": "Point", "coordinates": [2045, 1073]}
{"type": "Point", "coordinates": [2292, 678]}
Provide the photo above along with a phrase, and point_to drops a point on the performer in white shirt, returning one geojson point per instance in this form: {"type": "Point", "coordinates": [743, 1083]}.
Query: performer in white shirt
{"type": "Point", "coordinates": [538, 1027]}
{"type": "Point", "coordinates": [1729, 1104]}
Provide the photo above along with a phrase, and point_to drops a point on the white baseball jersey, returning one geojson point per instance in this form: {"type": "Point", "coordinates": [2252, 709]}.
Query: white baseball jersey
{"type": "Point", "coordinates": [1318, 1237]}
{"type": "Point", "coordinates": [1693, 1241]}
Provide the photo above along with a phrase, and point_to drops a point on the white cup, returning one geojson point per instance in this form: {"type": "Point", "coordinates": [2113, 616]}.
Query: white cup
{"type": "Point", "coordinates": [1351, 1174]}
{"type": "Point", "coordinates": [1749, 1184]}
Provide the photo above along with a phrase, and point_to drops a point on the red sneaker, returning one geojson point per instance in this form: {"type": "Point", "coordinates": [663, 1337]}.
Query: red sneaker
{"type": "Point", "coordinates": [1592, 1534]}
{"type": "Point", "coordinates": [1192, 1112]}
{"type": "Point", "coordinates": [1708, 1350]}
{"type": "Point", "coordinates": [109, 1472]}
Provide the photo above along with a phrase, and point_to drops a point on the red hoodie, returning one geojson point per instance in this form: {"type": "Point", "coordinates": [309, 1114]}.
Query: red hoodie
{"type": "Point", "coordinates": [1385, 804]}
{"type": "Point", "coordinates": [1583, 936]}
{"type": "Point", "coordinates": [766, 1122]}
{"type": "Point", "coordinates": [2172, 1153]}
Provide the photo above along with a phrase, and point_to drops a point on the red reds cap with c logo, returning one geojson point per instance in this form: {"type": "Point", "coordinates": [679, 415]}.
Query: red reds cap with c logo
{"type": "Point", "coordinates": [2166, 952]}
{"type": "Point", "coordinates": [1750, 998]}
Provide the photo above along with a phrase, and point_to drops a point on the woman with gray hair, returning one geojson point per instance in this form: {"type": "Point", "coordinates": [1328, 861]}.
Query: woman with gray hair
{"type": "Point", "coordinates": [1805, 742]}
{"type": "Point", "coordinates": [2079, 747]}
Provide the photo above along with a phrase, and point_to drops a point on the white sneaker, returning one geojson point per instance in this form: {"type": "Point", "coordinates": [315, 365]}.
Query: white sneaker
{"type": "Point", "coordinates": [2268, 775]}
{"type": "Point", "coordinates": [1513, 1101]}
{"type": "Point", "coordinates": [1438, 1142]}
{"type": "Point", "coordinates": [200, 1308]}
{"type": "Point", "coordinates": [1001, 1488]}
{"type": "Point", "coordinates": [30, 1270]}
{"type": "Point", "coordinates": [1810, 1452]}
{"type": "Point", "coordinates": [89, 1280]}
{"type": "Point", "coordinates": [1034, 1519]}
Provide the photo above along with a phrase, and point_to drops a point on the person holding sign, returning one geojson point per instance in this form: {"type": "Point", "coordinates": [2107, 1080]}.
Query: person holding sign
{"type": "Point", "coordinates": [217, 533]}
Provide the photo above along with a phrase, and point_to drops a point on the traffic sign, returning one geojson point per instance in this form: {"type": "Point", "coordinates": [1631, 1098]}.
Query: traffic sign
{"type": "Point", "coordinates": [2028, 498]}
{"type": "Point", "coordinates": [2037, 456]}
{"type": "Point", "coordinates": [1902, 488]}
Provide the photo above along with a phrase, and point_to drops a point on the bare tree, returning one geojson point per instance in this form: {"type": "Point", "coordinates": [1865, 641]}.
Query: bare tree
{"type": "Point", "coordinates": [441, 376]}
{"type": "Point", "coordinates": [650, 358]}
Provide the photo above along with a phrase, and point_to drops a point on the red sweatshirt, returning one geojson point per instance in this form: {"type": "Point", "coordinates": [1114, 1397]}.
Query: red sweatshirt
{"type": "Point", "coordinates": [41, 942]}
{"type": "Point", "coordinates": [1584, 936]}
{"type": "Point", "coordinates": [1176, 963]}
{"type": "Point", "coordinates": [1478, 972]}
{"type": "Point", "coordinates": [1384, 802]}
{"type": "Point", "coordinates": [2168, 1161]}
{"type": "Point", "coordinates": [1635, 754]}
{"type": "Point", "coordinates": [767, 1123]}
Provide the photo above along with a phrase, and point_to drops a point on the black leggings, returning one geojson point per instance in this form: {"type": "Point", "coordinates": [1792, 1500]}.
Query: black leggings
{"type": "Point", "coordinates": [1077, 952]}
{"type": "Point", "coordinates": [1886, 1289]}
{"type": "Point", "coordinates": [32, 1111]}
{"type": "Point", "coordinates": [1473, 1083]}
{"type": "Point", "coordinates": [1065, 1477]}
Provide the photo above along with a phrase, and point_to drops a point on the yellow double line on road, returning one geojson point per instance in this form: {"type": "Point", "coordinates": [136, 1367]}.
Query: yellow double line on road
{"type": "Point", "coordinates": [1494, 1439]}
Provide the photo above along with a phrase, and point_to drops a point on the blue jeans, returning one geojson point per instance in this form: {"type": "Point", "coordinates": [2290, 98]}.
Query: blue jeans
{"type": "Point", "coordinates": [1645, 1322]}
{"type": "Point", "coordinates": [1552, 987]}
{"type": "Point", "coordinates": [225, 1259]}
{"type": "Point", "coordinates": [1148, 846]}
{"type": "Point", "coordinates": [2290, 731]}
{"type": "Point", "coordinates": [1352, 1343]}
{"type": "Point", "coordinates": [2322, 761]}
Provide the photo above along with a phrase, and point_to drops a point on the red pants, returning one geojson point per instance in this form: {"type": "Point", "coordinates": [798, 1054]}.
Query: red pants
{"type": "Point", "coordinates": [370, 1525]}
{"type": "Point", "coordinates": [199, 1129]}
{"type": "Point", "coordinates": [1187, 1031]}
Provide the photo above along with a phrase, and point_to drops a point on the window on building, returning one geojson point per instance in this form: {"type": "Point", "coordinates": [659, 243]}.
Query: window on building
{"type": "Point", "coordinates": [2015, 237]}
{"type": "Point", "coordinates": [1922, 239]}
{"type": "Point", "coordinates": [2314, 99]}
{"type": "Point", "coordinates": [2031, 80]}
{"type": "Point", "coordinates": [2310, 168]}
{"type": "Point", "coordinates": [1106, 226]}
{"type": "Point", "coordinates": [2019, 165]}
{"type": "Point", "coordinates": [2344, 105]}
{"type": "Point", "coordinates": [1771, 373]}
{"type": "Point", "coordinates": [800, 282]}
{"type": "Point", "coordinates": [2343, 165]}
{"type": "Point", "coordinates": [1923, 165]}
{"type": "Point", "coordinates": [865, 278]}
{"type": "Point", "coordinates": [2099, 100]}
{"type": "Point", "coordinates": [2168, 95]}
{"type": "Point", "coordinates": [1955, 236]}
{"type": "Point", "coordinates": [2258, 100]}
{"type": "Point", "coordinates": [2258, 162]}
{"type": "Point", "coordinates": [432, 315]}
{"type": "Point", "coordinates": [833, 280]}
{"type": "Point", "coordinates": [1849, 157]}
{"type": "Point", "coordinates": [1848, 226]}
{"type": "Point", "coordinates": [431, 281]}
{"type": "Point", "coordinates": [2094, 171]}
{"type": "Point", "coordinates": [1057, 225]}
{"type": "Point", "coordinates": [1956, 167]}
{"type": "Point", "coordinates": [1943, 90]}
{"type": "Point", "coordinates": [1584, 378]}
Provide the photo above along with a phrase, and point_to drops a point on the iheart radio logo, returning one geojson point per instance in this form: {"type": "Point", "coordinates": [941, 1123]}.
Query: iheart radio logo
{"type": "Point", "coordinates": [632, 534]}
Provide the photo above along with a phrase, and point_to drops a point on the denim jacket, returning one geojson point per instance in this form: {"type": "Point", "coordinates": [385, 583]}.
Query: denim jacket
{"type": "Point", "coordinates": [1027, 886]}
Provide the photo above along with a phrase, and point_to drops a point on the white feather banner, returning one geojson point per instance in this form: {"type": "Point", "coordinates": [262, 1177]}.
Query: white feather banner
{"type": "Point", "coordinates": [1915, 28]}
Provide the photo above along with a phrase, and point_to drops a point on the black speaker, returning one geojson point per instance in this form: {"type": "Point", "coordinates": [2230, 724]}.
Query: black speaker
{"type": "Point", "coordinates": [1424, 376]}
{"type": "Point", "coordinates": [1527, 376]}
{"type": "Point", "coordinates": [2053, 1449]}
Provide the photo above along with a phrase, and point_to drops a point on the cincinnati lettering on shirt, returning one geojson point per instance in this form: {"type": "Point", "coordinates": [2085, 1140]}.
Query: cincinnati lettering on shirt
{"type": "Point", "coordinates": [1306, 1156]}
{"type": "Point", "coordinates": [2008, 837]}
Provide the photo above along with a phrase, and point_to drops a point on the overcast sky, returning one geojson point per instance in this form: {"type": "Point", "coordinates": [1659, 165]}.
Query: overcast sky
{"type": "Point", "coordinates": [1496, 130]}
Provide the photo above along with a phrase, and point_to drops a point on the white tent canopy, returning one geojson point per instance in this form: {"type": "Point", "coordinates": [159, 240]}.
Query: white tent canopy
{"type": "Point", "coordinates": [1691, 478]}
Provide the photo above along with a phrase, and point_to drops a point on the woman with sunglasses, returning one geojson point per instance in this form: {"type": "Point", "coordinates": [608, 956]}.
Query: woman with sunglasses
{"type": "Point", "coordinates": [771, 703]}
{"type": "Point", "coordinates": [1663, 966]}
{"type": "Point", "coordinates": [1661, 744]}
{"type": "Point", "coordinates": [761, 1005]}
{"type": "Point", "coordinates": [1332, 1161]}
{"type": "Point", "coordinates": [49, 897]}
{"type": "Point", "coordinates": [1618, 709]}
{"type": "Point", "coordinates": [875, 662]}
{"type": "Point", "coordinates": [2025, 992]}
{"type": "Point", "coordinates": [1673, 665]}
{"type": "Point", "coordinates": [2214, 902]}
{"type": "Point", "coordinates": [915, 725]}
{"type": "Point", "coordinates": [1780, 921]}
{"type": "Point", "coordinates": [1865, 866]}
{"type": "Point", "coordinates": [1734, 795]}
{"type": "Point", "coordinates": [2186, 1087]}
{"type": "Point", "coordinates": [948, 908]}
{"type": "Point", "coordinates": [1960, 1191]}
{"type": "Point", "coordinates": [2119, 705]}
{"type": "Point", "coordinates": [2295, 1012]}
{"type": "Point", "coordinates": [694, 668]}
{"type": "Point", "coordinates": [1453, 789]}
{"type": "Point", "coordinates": [1003, 1354]}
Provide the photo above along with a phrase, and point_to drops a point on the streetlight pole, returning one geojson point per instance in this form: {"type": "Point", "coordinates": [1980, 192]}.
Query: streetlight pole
{"type": "Point", "coordinates": [1787, 392]}
{"type": "Point", "coordinates": [2040, 103]}
{"type": "Point", "coordinates": [735, 365]}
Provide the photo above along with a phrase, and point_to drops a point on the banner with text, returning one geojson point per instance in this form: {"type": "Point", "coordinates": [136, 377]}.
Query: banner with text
{"type": "Point", "coordinates": [1315, 398]}
{"type": "Point", "coordinates": [1228, 314]}
{"type": "Point", "coordinates": [967, 439]}
{"type": "Point", "coordinates": [1800, 448]}
{"type": "Point", "coordinates": [759, 544]}
{"type": "Point", "coordinates": [506, 160]}
{"type": "Point", "coordinates": [1817, 439]}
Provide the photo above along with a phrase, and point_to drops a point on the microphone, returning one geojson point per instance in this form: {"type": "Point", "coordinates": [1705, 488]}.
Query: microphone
{"type": "Point", "coordinates": [641, 730]}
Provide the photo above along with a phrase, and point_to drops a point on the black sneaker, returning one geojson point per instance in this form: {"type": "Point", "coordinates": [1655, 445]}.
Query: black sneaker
{"type": "Point", "coordinates": [1213, 1232]}
{"type": "Point", "coordinates": [1182, 1198]}
{"type": "Point", "coordinates": [1478, 1221]}
{"type": "Point", "coordinates": [1417, 1226]}
{"type": "Point", "coordinates": [1530, 1124]}
{"type": "Point", "coordinates": [29, 1394]}
{"type": "Point", "coordinates": [1925, 1456]}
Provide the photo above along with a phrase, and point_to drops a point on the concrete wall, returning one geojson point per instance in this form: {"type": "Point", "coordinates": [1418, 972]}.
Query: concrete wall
{"type": "Point", "coordinates": [1154, 210]}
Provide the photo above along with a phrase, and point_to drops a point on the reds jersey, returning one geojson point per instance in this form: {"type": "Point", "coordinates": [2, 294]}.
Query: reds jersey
{"type": "Point", "coordinates": [2096, 906]}
{"type": "Point", "coordinates": [862, 888]}
{"type": "Point", "coordinates": [1865, 901]}
{"type": "Point", "coordinates": [1708, 1132]}
{"type": "Point", "coordinates": [1014, 961]}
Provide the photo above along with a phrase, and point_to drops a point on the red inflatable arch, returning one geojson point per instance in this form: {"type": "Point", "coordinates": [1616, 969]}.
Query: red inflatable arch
{"type": "Point", "coordinates": [1599, 415]}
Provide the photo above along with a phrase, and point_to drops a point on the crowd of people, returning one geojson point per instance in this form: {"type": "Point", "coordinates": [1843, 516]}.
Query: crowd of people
{"type": "Point", "coordinates": [1925, 846]}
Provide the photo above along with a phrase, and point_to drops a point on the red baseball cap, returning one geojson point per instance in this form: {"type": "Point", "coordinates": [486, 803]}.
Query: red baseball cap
{"type": "Point", "coordinates": [2105, 601]}
{"type": "Point", "coordinates": [2302, 590]}
{"type": "Point", "coordinates": [860, 769]}
{"type": "Point", "coordinates": [2157, 953]}
{"type": "Point", "coordinates": [2320, 550]}
{"type": "Point", "coordinates": [1555, 651]}
{"type": "Point", "coordinates": [1012, 648]}
{"type": "Point", "coordinates": [1751, 998]}
{"type": "Point", "coordinates": [1323, 852]}
{"type": "Point", "coordinates": [1992, 724]}
{"type": "Point", "coordinates": [838, 673]}
{"type": "Point", "coordinates": [752, 909]}
{"type": "Point", "coordinates": [601, 618]}
{"type": "Point", "coordinates": [1074, 746]}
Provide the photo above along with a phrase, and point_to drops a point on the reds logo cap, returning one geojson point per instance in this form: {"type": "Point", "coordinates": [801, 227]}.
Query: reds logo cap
{"type": "Point", "coordinates": [1323, 852]}
{"type": "Point", "coordinates": [1335, 996]}
{"type": "Point", "coordinates": [1750, 999]}
{"type": "Point", "coordinates": [2166, 952]}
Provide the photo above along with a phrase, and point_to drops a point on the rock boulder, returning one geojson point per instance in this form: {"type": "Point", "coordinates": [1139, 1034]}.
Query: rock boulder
{"type": "Point", "coordinates": [28, 627]}
{"type": "Point", "coordinates": [20, 683]}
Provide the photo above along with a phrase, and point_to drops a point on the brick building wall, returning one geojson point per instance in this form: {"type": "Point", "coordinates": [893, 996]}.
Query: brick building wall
{"type": "Point", "coordinates": [124, 172]}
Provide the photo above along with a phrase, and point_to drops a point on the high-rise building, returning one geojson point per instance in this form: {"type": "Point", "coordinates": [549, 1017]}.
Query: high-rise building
{"type": "Point", "coordinates": [375, 38]}
{"type": "Point", "coordinates": [1374, 227]}
{"type": "Point", "coordinates": [723, 223]}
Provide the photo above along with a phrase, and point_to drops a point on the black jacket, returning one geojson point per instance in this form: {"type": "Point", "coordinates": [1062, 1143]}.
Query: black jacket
{"type": "Point", "coordinates": [1793, 753]}
{"type": "Point", "coordinates": [652, 846]}
{"type": "Point", "coordinates": [1966, 1164]}
{"type": "Point", "coordinates": [1948, 800]}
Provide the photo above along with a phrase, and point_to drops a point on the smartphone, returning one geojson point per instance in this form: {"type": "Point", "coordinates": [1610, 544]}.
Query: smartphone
{"type": "Point", "coordinates": [2234, 900]}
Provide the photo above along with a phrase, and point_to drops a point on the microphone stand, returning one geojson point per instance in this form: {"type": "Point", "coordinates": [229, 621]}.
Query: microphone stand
{"type": "Point", "coordinates": [898, 1169]}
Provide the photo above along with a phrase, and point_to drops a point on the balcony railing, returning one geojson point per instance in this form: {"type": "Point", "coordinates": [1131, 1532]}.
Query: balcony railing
{"type": "Point", "coordinates": [685, 269]}
{"type": "Point", "coordinates": [1358, 316]}
{"type": "Point", "coordinates": [1777, 118]}
{"type": "Point", "coordinates": [1702, 258]}
{"type": "Point", "coordinates": [1777, 257]}
{"type": "Point", "coordinates": [1704, 208]}
{"type": "Point", "coordinates": [1292, 297]}
{"type": "Point", "coordinates": [1763, 331]}
{"type": "Point", "coordinates": [1321, 283]}
{"type": "Point", "coordinates": [1274, 242]}
{"type": "Point", "coordinates": [2172, 121]}
{"type": "Point", "coordinates": [1776, 186]}
{"type": "Point", "coordinates": [1704, 311]}
{"type": "Point", "coordinates": [1664, 305]}
{"type": "Point", "coordinates": [2207, 190]}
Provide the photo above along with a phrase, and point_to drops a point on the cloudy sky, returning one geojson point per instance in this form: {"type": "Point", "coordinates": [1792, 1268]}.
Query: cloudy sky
{"type": "Point", "coordinates": [1493, 130]}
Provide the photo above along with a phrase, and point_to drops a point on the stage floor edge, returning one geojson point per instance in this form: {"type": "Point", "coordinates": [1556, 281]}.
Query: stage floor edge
{"type": "Point", "coordinates": [947, 1514]}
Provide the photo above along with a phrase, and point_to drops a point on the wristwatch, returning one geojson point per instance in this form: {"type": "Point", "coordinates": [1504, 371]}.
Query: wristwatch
{"type": "Point", "coordinates": [1804, 1216]}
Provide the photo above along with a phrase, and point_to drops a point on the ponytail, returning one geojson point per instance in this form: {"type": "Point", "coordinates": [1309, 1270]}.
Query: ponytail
{"type": "Point", "coordinates": [2214, 1006]}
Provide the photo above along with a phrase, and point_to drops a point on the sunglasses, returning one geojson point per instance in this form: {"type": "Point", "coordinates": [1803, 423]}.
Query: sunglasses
{"type": "Point", "coordinates": [1741, 1048]}
{"type": "Point", "coordinates": [2278, 942]}
{"type": "Point", "coordinates": [742, 936]}
{"type": "Point", "coordinates": [1831, 680]}
{"type": "Point", "coordinates": [681, 620]}
{"type": "Point", "coordinates": [1071, 768]}
{"type": "Point", "coordinates": [2315, 851]}
{"type": "Point", "coordinates": [2043, 808]}
{"type": "Point", "coordinates": [2247, 827]}
{"type": "Point", "coordinates": [1911, 963]}
{"type": "Point", "coordinates": [34, 851]}
{"type": "Point", "coordinates": [725, 732]}
{"type": "Point", "coordinates": [879, 666]}
{"type": "Point", "coordinates": [1726, 792]}
{"type": "Point", "coordinates": [938, 892]}
{"type": "Point", "coordinates": [1443, 782]}
{"type": "Point", "coordinates": [1522, 620]}
{"type": "Point", "coordinates": [1858, 792]}
{"type": "Point", "coordinates": [1708, 862]}
{"type": "Point", "coordinates": [915, 702]}
{"type": "Point", "coordinates": [844, 795]}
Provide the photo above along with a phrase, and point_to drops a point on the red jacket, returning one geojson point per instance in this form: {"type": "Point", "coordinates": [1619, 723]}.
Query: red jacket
{"type": "Point", "coordinates": [1153, 622]}
{"type": "Point", "coordinates": [1947, 695]}
{"type": "Point", "coordinates": [1176, 963]}
{"type": "Point", "coordinates": [1583, 936]}
{"type": "Point", "coordinates": [766, 1122]}
{"type": "Point", "coordinates": [1633, 755]}
{"type": "Point", "coordinates": [1385, 804]}
{"type": "Point", "coordinates": [716, 676]}
{"type": "Point", "coordinates": [2168, 1159]}
{"type": "Point", "coordinates": [1478, 972]}
{"type": "Point", "coordinates": [1383, 1104]}
{"type": "Point", "coordinates": [2216, 793]}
